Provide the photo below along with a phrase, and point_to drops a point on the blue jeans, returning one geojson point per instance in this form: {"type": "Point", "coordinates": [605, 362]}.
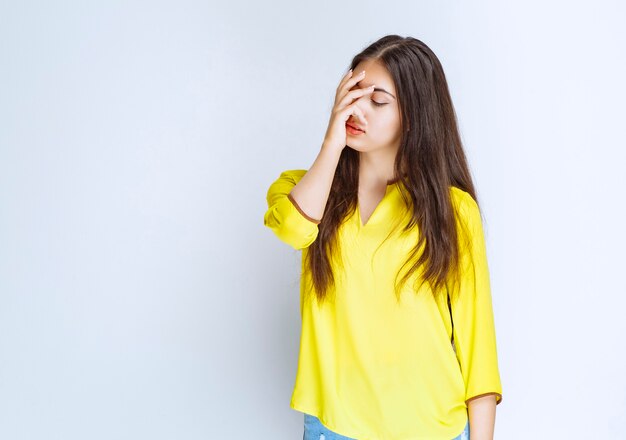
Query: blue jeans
{"type": "Point", "coordinates": [314, 430]}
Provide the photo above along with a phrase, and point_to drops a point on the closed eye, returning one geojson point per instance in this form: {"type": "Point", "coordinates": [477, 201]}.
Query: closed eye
{"type": "Point", "coordinates": [378, 104]}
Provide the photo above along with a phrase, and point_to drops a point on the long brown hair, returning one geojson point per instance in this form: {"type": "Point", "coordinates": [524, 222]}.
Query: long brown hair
{"type": "Point", "coordinates": [430, 159]}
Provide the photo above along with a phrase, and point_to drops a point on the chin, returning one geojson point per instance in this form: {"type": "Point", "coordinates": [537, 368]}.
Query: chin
{"type": "Point", "coordinates": [362, 147]}
{"type": "Point", "coordinates": [359, 146]}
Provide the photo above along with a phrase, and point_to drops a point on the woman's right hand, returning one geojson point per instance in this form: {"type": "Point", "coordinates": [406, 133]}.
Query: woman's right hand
{"type": "Point", "coordinates": [344, 107]}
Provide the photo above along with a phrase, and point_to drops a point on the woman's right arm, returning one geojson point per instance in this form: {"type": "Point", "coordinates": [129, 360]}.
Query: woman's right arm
{"type": "Point", "coordinates": [310, 194]}
{"type": "Point", "coordinates": [297, 199]}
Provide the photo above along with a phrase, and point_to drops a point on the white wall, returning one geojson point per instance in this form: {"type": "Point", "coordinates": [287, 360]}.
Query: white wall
{"type": "Point", "coordinates": [141, 295]}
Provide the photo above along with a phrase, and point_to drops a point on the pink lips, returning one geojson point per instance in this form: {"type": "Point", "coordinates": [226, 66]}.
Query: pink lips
{"type": "Point", "coordinates": [354, 129]}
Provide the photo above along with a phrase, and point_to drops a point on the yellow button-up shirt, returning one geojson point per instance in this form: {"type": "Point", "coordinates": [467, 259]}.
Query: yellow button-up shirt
{"type": "Point", "coordinates": [369, 367]}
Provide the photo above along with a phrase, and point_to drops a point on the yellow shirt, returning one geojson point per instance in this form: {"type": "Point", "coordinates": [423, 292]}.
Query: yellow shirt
{"type": "Point", "coordinates": [369, 367]}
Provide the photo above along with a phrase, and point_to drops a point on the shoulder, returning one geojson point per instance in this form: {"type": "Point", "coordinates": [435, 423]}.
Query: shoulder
{"type": "Point", "coordinates": [465, 206]}
{"type": "Point", "coordinates": [462, 199]}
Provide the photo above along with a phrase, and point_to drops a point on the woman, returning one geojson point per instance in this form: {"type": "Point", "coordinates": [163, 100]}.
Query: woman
{"type": "Point", "coordinates": [398, 336]}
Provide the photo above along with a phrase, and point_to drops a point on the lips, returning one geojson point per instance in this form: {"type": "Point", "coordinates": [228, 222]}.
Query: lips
{"type": "Point", "coordinates": [356, 127]}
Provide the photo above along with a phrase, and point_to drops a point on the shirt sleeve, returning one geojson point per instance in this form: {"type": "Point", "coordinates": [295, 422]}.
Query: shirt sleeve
{"type": "Point", "coordinates": [283, 216]}
{"type": "Point", "coordinates": [474, 328]}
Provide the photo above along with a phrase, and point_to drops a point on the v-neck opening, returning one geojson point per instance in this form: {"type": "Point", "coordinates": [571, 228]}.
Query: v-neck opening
{"type": "Point", "coordinates": [388, 190]}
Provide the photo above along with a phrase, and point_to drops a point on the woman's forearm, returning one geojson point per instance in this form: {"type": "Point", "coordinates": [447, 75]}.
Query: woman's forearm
{"type": "Point", "coordinates": [482, 417]}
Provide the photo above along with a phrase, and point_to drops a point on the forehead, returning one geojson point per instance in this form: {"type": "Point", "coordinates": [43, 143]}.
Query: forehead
{"type": "Point", "coordinates": [375, 73]}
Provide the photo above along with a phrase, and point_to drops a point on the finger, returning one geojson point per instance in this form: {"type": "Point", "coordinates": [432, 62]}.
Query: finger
{"type": "Point", "coordinates": [346, 78]}
{"type": "Point", "coordinates": [355, 94]}
{"type": "Point", "coordinates": [342, 83]}
{"type": "Point", "coordinates": [347, 83]}
{"type": "Point", "coordinates": [353, 80]}
{"type": "Point", "coordinates": [354, 111]}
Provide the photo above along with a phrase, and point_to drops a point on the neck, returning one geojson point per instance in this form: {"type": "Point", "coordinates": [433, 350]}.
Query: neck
{"type": "Point", "coordinates": [376, 169]}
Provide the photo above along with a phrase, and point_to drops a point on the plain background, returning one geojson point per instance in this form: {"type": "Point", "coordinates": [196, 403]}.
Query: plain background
{"type": "Point", "coordinates": [141, 296]}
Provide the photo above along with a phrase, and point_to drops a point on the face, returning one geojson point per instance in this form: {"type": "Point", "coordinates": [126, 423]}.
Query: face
{"type": "Point", "coordinates": [381, 110]}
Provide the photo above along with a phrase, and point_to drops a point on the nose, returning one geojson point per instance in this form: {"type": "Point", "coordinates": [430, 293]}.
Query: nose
{"type": "Point", "coordinates": [361, 104]}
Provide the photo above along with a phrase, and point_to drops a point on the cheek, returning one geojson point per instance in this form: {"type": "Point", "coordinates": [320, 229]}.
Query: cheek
{"type": "Point", "coordinates": [386, 120]}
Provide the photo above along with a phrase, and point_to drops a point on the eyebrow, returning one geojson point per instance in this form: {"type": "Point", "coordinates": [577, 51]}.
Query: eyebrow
{"type": "Point", "coordinates": [377, 89]}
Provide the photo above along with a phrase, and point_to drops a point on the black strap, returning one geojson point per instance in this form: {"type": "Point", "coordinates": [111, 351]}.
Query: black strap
{"type": "Point", "coordinates": [451, 320]}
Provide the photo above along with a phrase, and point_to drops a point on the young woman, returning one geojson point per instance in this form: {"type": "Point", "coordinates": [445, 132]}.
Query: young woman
{"type": "Point", "coordinates": [398, 337]}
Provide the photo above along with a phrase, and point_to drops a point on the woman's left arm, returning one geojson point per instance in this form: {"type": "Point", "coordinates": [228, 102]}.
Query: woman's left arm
{"type": "Point", "coordinates": [474, 325]}
{"type": "Point", "coordinates": [482, 417]}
